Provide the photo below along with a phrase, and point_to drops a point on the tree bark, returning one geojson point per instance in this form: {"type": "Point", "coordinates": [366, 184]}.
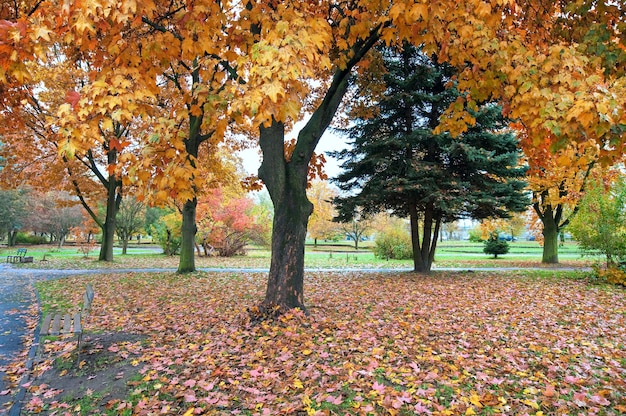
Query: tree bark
{"type": "Point", "coordinates": [108, 229]}
{"type": "Point", "coordinates": [114, 199]}
{"type": "Point", "coordinates": [61, 241]}
{"type": "Point", "coordinates": [286, 182]}
{"type": "Point", "coordinates": [186, 263]}
{"type": "Point", "coordinates": [423, 251]}
{"type": "Point", "coordinates": [189, 228]}
{"type": "Point", "coordinates": [550, 219]}
{"type": "Point", "coordinates": [550, 239]}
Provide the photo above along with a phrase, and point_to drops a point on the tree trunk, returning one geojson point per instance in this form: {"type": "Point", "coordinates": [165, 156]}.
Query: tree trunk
{"type": "Point", "coordinates": [187, 263]}
{"type": "Point", "coordinates": [12, 238]}
{"type": "Point", "coordinates": [286, 184]}
{"type": "Point", "coordinates": [285, 283]}
{"type": "Point", "coordinates": [419, 265]}
{"type": "Point", "coordinates": [124, 245]}
{"type": "Point", "coordinates": [114, 199]}
{"type": "Point", "coordinates": [108, 230]}
{"type": "Point", "coordinates": [550, 240]}
{"type": "Point", "coordinates": [61, 241]}
{"type": "Point", "coordinates": [424, 251]}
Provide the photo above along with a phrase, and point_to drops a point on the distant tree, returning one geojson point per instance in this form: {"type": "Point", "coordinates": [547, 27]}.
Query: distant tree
{"type": "Point", "coordinates": [558, 181]}
{"type": "Point", "coordinates": [226, 224]}
{"type": "Point", "coordinates": [600, 225]}
{"type": "Point", "coordinates": [356, 228]}
{"type": "Point", "coordinates": [166, 230]}
{"type": "Point", "coordinates": [495, 246]}
{"type": "Point", "coordinates": [321, 225]}
{"type": "Point", "coordinates": [152, 216]}
{"type": "Point", "coordinates": [397, 163]}
{"type": "Point", "coordinates": [450, 229]}
{"type": "Point", "coordinates": [263, 213]}
{"type": "Point", "coordinates": [13, 213]}
{"type": "Point", "coordinates": [63, 218]}
{"type": "Point", "coordinates": [394, 243]}
{"type": "Point", "coordinates": [54, 213]}
{"type": "Point", "coordinates": [130, 220]}
{"type": "Point", "coordinates": [510, 227]}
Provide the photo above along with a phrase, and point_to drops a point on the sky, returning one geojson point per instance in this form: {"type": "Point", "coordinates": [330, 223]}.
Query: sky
{"type": "Point", "coordinates": [330, 141]}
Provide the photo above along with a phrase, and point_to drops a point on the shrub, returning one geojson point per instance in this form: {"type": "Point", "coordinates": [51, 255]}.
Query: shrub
{"type": "Point", "coordinates": [393, 244]}
{"type": "Point", "coordinates": [23, 238]}
{"type": "Point", "coordinates": [167, 232]}
{"type": "Point", "coordinates": [495, 246]}
{"type": "Point", "coordinates": [475, 236]}
{"type": "Point", "coordinates": [612, 274]}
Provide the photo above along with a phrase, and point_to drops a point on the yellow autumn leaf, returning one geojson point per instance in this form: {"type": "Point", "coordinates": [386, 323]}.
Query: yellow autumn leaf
{"type": "Point", "coordinates": [531, 403]}
{"type": "Point", "coordinates": [41, 33]}
{"type": "Point", "coordinates": [475, 400]}
{"type": "Point", "coordinates": [273, 90]}
{"type": "Point", "coordinates": [298, 384]}
{"type": "Point", "coordinates": [107, 124]}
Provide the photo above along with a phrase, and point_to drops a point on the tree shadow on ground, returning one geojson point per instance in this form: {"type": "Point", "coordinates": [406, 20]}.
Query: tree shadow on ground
{"type": "Point", "coordinates": [96, 381]}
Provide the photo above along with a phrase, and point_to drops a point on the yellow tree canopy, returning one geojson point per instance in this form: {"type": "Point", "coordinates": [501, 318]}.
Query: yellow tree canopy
{"type": "Point", "coordinates": [558, 66]}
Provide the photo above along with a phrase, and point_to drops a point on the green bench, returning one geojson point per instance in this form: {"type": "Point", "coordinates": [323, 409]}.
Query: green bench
{"type": "Point", "coordinates": [19, 257]}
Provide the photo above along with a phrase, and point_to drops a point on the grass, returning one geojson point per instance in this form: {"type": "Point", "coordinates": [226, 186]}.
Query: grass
{"type": "Point", "coordinates": [456, 254]}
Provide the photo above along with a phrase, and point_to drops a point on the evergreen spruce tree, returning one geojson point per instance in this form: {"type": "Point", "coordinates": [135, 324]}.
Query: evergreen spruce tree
{"type": "Point", "coordinates": [397, 164]}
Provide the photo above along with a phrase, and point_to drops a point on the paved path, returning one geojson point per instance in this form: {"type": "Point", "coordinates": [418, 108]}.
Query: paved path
{"type": "Point", "coordinates": [16, 295]}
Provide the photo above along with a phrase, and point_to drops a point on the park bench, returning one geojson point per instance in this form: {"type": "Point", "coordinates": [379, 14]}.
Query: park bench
{"type": "Point", "coordinates": [19, 257]}
{"type": "Point", "coordinates": [60, 323]}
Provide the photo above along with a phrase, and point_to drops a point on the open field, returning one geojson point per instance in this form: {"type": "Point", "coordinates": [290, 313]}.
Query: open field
{"type": "Point", "coordinates": [457, 254]}
{"type": "Point", "coordinates": [453, 343]}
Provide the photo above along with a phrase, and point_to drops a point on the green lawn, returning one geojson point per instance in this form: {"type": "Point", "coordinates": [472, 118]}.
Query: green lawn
{"type": "Point", "coordinates": [459, 254]}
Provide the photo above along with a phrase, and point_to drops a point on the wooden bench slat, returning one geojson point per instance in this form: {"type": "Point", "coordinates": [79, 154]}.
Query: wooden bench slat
{"type": "Point", "coordinates": [56, 325]}
{"type": "Point", "coordinates": [78, 329]}
{"type": "Point", "coordinates": [45, 327]}
{"type": "Point", "coordinates": [67, 324]}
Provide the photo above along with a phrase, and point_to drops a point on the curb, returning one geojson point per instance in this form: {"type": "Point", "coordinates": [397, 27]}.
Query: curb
{"type": "Point", "coordinates": [16, 409]}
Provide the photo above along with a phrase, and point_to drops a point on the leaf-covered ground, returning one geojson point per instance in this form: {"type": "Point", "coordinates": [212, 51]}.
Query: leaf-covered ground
{"type": "Point", "coordinates": [391, 343]}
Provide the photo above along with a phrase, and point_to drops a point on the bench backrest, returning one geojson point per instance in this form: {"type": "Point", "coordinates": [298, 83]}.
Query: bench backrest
{"type": "Point", "coordinates": [21, 251]}
{"type": "Point", "coordinates": [88, 298]}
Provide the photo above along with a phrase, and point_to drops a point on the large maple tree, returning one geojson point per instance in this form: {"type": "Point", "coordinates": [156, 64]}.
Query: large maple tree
{"type": "Point", "coordinates": [557, 181]}
{"type": "Point", "coordinates": [518, 52]}
{"type": "Point", "coordinates": [558, 67]}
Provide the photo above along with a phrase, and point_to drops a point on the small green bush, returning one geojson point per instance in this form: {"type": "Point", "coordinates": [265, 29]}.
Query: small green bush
{"type": "Point", "coordinates": [475, 236]}
{"type": "Point", "coordinates": [24, 238]}
{"type": "Point", "coordinates": [167, 232]}
{"type": "Point", "coordinates": [495, 246]}
{"type": "Point", "coordinates": [393, 244]}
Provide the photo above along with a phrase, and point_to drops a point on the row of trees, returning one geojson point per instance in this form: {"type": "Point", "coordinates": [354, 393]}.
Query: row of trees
{"type": "Point", "coordinates": [398, 164]}
{"type": "Point", "coordinates": [226, 224]}
{"type": "Point", "coordinates": [147, 90]}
